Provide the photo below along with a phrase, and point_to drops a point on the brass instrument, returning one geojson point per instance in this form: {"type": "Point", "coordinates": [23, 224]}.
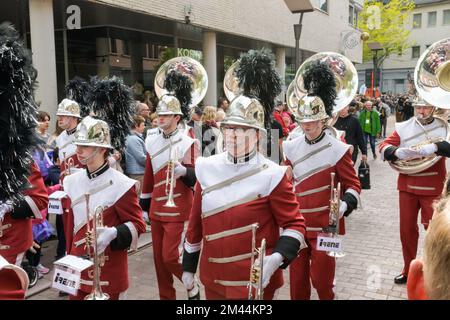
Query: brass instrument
{"type": "Point", "coordinates": [333, 220]}
{"type": "Point", "coordinates": [256, 270]}
{"type": "Point", "coordinates": [170, 176]}
{"type": "Point", "coordinates": [432, 74]}
{"type": "Point", "coordinates": [91, 242]}
{"type": "Point", "coordinates": [188, 67]}
{"type": "Point", "coordinates": [68, 164]}
{"type": "Point", "coordinates": [344, 72]}
{"type": "Point", "coordinates": [231, 82]}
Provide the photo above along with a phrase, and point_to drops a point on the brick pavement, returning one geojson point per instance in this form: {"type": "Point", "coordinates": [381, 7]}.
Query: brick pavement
{"type": "Point", "coordinates": [372, 246]}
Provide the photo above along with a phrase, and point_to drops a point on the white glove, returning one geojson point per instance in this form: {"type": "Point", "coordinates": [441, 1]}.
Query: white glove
{"type": "Point", "coordinates": [188, 280]}
{"type": "Point", "coordinates": [104, 237]}
{"type": "Point", "coordinates": [5, 208]}
{"type": "Point", "coordinates": [428, 149]}
{"type": "Point", "coordinates": [270, 265]}
{"type": "Point", "coordinates": [342, 208]}
{"type": "Point", "coordinates": [180, 170]}
{"type": "Point", "coordinates": [407, 153]}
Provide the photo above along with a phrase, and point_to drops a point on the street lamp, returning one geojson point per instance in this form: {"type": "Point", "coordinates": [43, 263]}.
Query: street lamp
{"type": "Point", "coordinates": [375, 47]}
{"type": "Point", "coordinates": [298, 6]}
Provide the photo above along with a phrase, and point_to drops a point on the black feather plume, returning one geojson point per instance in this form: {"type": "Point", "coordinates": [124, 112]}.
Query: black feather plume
{"type": "Point", "coordinates": [77, 90]}
{"type": "Point", "coordinates": [259, 79]}
{"type": "Point", "coordinates": [112, 101]}
{"type": "Point", "coordinates": [181, 87]}
{"type": "Point", "coordinates": [18, 113]}
{"type": "Point", "coordinates": [319, 81]}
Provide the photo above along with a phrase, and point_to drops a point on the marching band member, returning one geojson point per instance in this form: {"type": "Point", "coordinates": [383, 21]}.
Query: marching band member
{"type": "Point", "coordinates": [167, 146]}
{"type": "Point", "coordinates": [237, 189]}
{"type": "Point", "coordinates": [122, 215]}
{"type": "Point", "coordinates": [68, 114]}
{"type": "Point", "coordinates": [313, 157]}
{"type": "Point", "coordinates": [22, 191]}
{"type": "Point", "coordinates": [419, 189]}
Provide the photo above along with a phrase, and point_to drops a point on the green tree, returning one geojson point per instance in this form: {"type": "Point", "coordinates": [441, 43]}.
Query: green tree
{"type": "Point", "coordinates": [386, 22]}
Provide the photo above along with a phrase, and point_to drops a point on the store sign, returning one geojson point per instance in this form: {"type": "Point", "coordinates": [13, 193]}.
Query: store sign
{"type": "Point", "coordinates": [194, 54]}
{"type": "Point", "coordinates": [73, 21]}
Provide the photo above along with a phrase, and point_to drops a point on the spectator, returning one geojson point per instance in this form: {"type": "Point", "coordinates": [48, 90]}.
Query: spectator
{"type": "Point", "coordinates": [222, 107]}
{"type": "Point", "coordinates": [430, 278]}
{"type": "Point", "coordinates": [135, 154]}
{"type": "Point", "coordinates": [153, 120]}
{"type": "Point", "coordinates": [144, 111]}
{"type": "Point", "coordinates": [278, 117]}
{"type": "Point", "coordinates": [353, 132]}
{"type": "Point", "coordinates": [211, 135]}
{"type": "Point", "coordinates": [370, 124]}
{"type": "Point", "coordinates": [385, 112]}
{"type": "Point", "coordinates": [196, 122]}
{"type": "Point", "coordinates": [148, 101]}
{"type": "Point", "coordinates": [44, 122]}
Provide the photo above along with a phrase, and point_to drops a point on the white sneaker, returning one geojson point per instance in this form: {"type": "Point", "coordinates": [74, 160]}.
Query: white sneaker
{"type": "Point", "coordinates": [42, 270]}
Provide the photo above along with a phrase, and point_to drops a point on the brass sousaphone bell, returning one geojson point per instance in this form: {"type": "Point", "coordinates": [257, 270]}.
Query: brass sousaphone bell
{"type": "Point", "coordinates": [188, 67]}
{"type": "Point", "coordinates": [346, 78]}
{"type": "Point", "coordinates": [432, 82]}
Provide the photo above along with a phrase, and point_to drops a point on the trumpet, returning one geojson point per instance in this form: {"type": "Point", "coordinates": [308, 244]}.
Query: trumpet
{"type": "Point", "coordinates": [256, 270]}
{"type": "Point", "coordinates": [91, 241]}
{"type": "Point", "coordinates": [68, 164]}
{"type": "Point", "coordinates": [170, 177]}
{"type": "Point", "coordinates": [333, 220]}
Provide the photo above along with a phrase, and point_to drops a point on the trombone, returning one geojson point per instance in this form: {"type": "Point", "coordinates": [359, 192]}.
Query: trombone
{"type": "Point", "coordinates": [91, 241]}
{"type": "Point", "coordinates": [256, 270]}
{"type": "Point", "coordinates": [170, 177]}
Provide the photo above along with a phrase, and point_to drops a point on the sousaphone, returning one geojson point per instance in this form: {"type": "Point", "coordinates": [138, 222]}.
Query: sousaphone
{"type": "Point", "coordinates": [346, 78]}
{"type": "Point", "coordinates": [188, 67]}
{"type": "Point", "coordinates": [432, 82]}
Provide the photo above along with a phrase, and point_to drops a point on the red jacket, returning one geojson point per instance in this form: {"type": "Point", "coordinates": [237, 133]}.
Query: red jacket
{"type": "Point", "coordinates": [17, 233]}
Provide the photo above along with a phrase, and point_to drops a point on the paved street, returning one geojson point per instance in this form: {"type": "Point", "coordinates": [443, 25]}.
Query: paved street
{"type": "Point", "coordinates": [372, 246]}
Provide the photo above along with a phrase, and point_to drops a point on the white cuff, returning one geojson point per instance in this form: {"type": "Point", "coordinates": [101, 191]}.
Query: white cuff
{"type": "Point", "coordinates": [34, 208]}
{"type": "Point", "coordinates": [191, 248]}
{"type": "Point", "coordinates": [146, 195]}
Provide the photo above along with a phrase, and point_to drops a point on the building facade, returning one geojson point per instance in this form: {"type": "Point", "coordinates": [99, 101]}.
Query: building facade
{"type": "Point", "coordinates": [132, 38]}
{"type": "Point", "coordinates": [429, 22]}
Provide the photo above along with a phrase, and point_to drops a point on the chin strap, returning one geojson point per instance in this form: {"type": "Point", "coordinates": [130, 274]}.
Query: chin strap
{"type": "Point", "coordinates": [86, 160]}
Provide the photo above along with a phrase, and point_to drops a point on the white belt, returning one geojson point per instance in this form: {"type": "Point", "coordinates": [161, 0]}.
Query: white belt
{"type": "Point", "coordinates": [422, 188]}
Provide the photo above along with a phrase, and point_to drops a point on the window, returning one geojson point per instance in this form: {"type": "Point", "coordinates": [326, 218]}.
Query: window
{"type": "Point", "coordinates": [417, 20]}
{"type": "Point", "coordinates": [113, 45]}
{"type": "Point", "coordinates": [125, 48]}
{"type": "Point", "coordinates": [321, 5]}
{"type": "Point", "coordinates": [351, 11]}
{"type": "Point", "coordinates": [432, 19]}
{"type": "Point", "coordinates": [415, 52]}
{"type": "Point", "coordinates": [352, 15]}
{"type": "Point", "coordinates": [446, 19]}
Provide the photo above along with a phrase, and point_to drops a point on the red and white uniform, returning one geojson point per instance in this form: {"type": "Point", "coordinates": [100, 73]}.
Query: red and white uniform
{"type": "Point", "coordinates": [416, 191]}
{"type": "Point", "coordinates": [312, 165]}
{"type": "Point", "coordinates": [67, 153]}
{"type": "Point", "coordinates": [229, 198]}
{"type": "Point", "coordinates": [168, 223]}
{"type": "Point", "coordinates": [16, 235]}
{"type": "Point", "coordinates": [115, 191]}
{"type": "Point", "coordinates": [13, 281]}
